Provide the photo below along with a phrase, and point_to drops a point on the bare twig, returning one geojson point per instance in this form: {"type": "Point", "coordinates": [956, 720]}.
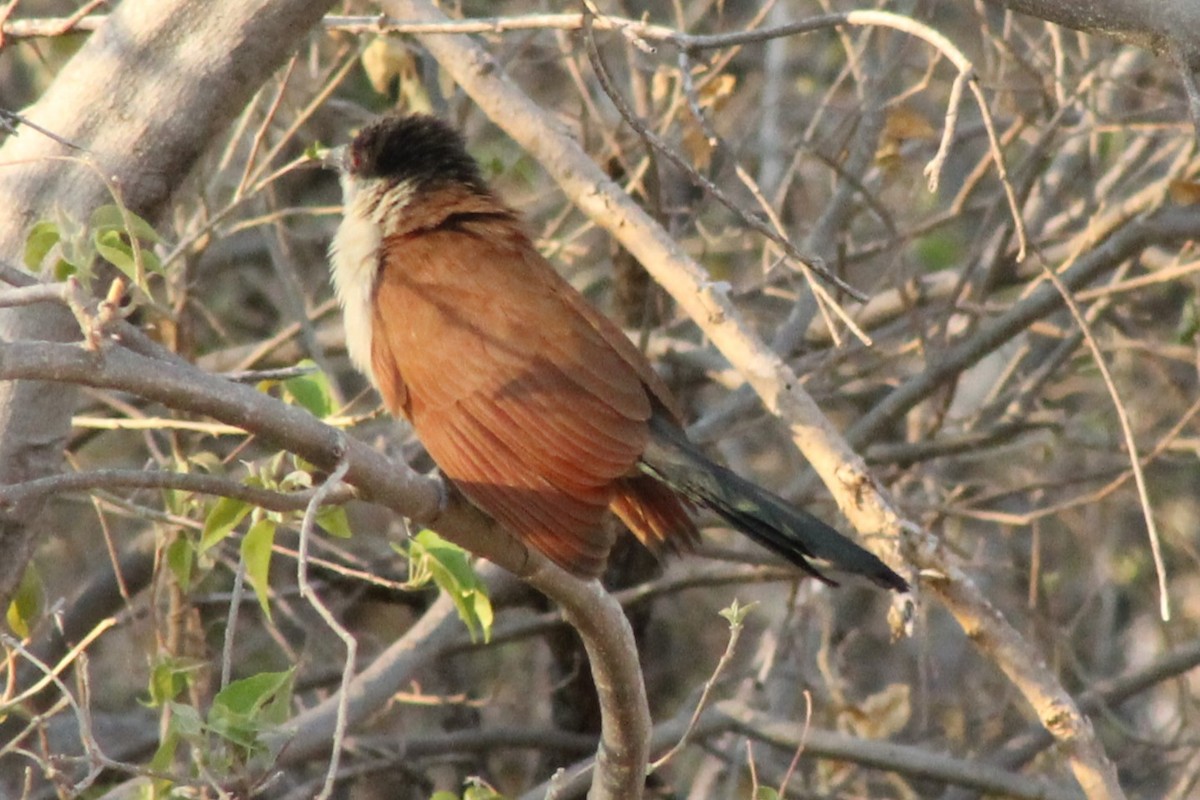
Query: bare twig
{"type": "Point", "coordinates": [656, 142]}
{"type": "Point", "coordinates": [1127, 432]}
{"type": "Point", "coordinates": [306, 591]}
{"type": "Point", "coordinates": [735, 633]}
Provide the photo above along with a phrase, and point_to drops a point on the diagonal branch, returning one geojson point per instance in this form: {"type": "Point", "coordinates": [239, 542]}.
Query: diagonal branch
{"type": "Point", "coordinates": [592, 611]}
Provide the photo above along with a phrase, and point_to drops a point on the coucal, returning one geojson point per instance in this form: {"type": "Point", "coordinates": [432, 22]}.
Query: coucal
{"type": "Point", "coordinates": [534, 404]}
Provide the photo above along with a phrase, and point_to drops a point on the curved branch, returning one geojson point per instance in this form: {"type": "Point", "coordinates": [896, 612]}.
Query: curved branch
{"type": "Point", "coordinates": [596, 615]}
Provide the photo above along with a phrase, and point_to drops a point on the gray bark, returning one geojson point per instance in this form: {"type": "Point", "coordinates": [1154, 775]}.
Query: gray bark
{"type": "Point", "coordinates": [1160, 25]}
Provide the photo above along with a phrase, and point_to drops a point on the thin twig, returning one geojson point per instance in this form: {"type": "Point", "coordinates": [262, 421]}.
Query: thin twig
{"type": "Point", "coordinates": [655, 142]}
{"type": "Point", "coordinates": [735, 633]}
{"type": "Point", "coordinates": [787, 776]}
{"type": "Point", "coordinates": [235, 604]}
{"type": "Point", "coordinates": [306, 591]}
{"type": "Point", "coordinates": [1139, 477]}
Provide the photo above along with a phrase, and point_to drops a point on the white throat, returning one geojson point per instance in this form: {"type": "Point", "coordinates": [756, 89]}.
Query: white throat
{"type": "Point", "coordinates": [354, 257]}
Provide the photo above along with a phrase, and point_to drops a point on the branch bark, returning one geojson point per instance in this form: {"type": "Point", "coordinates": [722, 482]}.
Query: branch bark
{"type": "Point", "coordinates": [1158, 26]}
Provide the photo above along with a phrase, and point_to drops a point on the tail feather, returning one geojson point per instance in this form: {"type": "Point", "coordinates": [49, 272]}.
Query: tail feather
{"type": "Point", "coordinates": [791, 532]}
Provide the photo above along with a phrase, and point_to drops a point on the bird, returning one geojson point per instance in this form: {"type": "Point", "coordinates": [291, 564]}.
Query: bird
{"type": "Point", "coordinates": [537, 407]}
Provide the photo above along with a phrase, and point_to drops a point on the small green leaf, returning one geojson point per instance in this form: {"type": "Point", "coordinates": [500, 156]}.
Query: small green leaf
{"type": "Point", "coordinates": [1188, 325]}
{"type": "Point", "coordinates": [333, 520]}
{"type": "Point", "coordinates": [478, 789]}
{"type": "Point", "coordinates": [118, 238]}
{"type": "Point", "coordinates": [251, 696]}
{"type": "Point", "coordinates": [113, 249]}
{"type": "Point", "coordinates": [111, 217]}
{"type": "Point", "coordinates": [256, 554]}
{"type": "Point", "coordinates": [41, 239]}
{"type": "Point", "coordinates": [245, 708]}
{"type": "Point", "coordinates": [311, 391]}
{"type": "Point", "coordinates": [181, 557]}
{"type": "Point", "coordinates": [165, 754]}
{"type": "Point", "coordinates": [225, 515]}
{"type": "Point", "coordinates": [736, 613]}
{"type": "Point", "coordinates": [169, 676]}
{"type": "Point", "coordinates": [482, 608]}
{"type": "Point", "coordinates": [450, 557]}
{"type": "Point", "coordinates": [295, 480]}
{"type": "Point", "coordinates": [443, 795]}
{"type": "Point", "coordinates": [766, 793]}
{"type": "Point", "coordinates": [481, 793]}
{"type": "Point", "coordinates": [75, 245]}
{"type": "Point", "coordinates": [64, 270]}
{"type": "Point", "coordinates": [206, 460]}
{"type": "Point", "coordinates": [186, 722]}
{"type": "Point", "coordinates": [26, 604]}
{"type": "Point", "coordinates": [450, 567]}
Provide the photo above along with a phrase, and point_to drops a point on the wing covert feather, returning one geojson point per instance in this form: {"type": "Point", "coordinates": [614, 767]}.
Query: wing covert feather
{"type": "Point", "coordinates": [522, 398]}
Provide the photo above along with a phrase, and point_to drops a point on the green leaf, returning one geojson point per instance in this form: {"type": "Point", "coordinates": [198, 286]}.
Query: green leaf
{"type": "Point", "coordinates": [1189, 322]}
{"type": "Point", "coordinates": [478, 789]}
{"type": "Point", "coordinates": [295, 480]}
{"type": "Point", "coordinates": [225, 515]}
{"type": "Point", "coordinates": [443, 795]}
{"type": "Point", "coordinates": [311, 391]}
{"type": "Point", "coordinates": [75, 245]}
{"type": "Point", "coordinates": [181, 557]}
{"type": "Point", "coordinates": [450, 567]}
{"type": "Point", "coordinates": [111, 217]}
{"type": "Point", "coordinates": [245, 708]}
{"type": "Point", "coordinates": [185, 722]}
{"type": "Point", "coordinates": [736, 613]}
{"type": "Point", "coordinates": [165, 754]}
{"type": "Point", "coordinates": [452, 559]}
{"type": "Point", "coordinates": [26, 604]}
{"type": "Point", "coordinates": [256, 555]}
{"type": "Point", "coordinates": [64, 270]}
{"type": "Point", "coordinates": [482, 609]}
{"type": "Point", "coordinates": [251, 696]}
{"type": "Point", "coordinates": [118, 237]}
{"type": "Point", "coordinates": [113, 249]}
{"type": "Point", "coordinates": [333, 520]}
{"type": "Point", "coordinates": [766, 793]}
{"type": "Point", "coordinates": [41, 239]}
{"type": "Point", "coordinates": [170, 676]}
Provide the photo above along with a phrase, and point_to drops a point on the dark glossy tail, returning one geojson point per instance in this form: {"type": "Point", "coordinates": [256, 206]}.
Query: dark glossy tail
{"type": "Point", "coordinates": [791, 532]}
